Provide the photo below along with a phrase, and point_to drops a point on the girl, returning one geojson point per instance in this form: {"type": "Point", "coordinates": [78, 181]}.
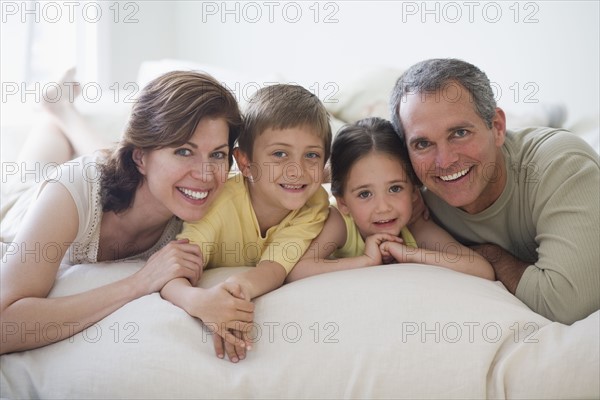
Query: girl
{"type": "Point", "coordinates": [374, 187]}
{"type": "Point", "coordinates": [169, 166]}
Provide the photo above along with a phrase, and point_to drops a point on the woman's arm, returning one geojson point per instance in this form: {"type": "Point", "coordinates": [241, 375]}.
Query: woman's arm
{"type": "Point", "coordinates": [438, 247]}
{"type": "Point", "coordinates": [27, 276]}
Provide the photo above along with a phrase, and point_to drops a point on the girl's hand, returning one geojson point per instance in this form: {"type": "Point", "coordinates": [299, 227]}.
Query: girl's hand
{"type": "Point", "coordinates": [397, 251]}
{"type": "Point", "coordinates": [373, 247]}
{"type": "Point", "coordinates": [178, 259]}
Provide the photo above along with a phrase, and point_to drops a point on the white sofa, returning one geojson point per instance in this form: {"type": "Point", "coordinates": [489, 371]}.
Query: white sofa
{"type": "Point", "coordinates": [396, 331]}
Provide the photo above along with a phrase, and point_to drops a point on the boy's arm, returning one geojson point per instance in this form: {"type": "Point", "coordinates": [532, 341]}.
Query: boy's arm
{"type": "Point", "coordinates": [265, 277]}
{"type": "Point", "coordinates": [438, 247]}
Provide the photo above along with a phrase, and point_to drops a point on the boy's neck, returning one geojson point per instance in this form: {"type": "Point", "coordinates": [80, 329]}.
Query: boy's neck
{"type": "Point", "coordinates": [266, 216]}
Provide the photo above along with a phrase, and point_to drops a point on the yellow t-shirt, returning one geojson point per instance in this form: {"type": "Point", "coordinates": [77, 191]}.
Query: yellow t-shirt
{"type": "Point", "coordinates": [229, 234]}
{"type": "Point", "coordinates": [355, 245]}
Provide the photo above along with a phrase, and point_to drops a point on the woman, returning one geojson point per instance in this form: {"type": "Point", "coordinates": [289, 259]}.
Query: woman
{"type": "Point", "coordinates": [169, 166]}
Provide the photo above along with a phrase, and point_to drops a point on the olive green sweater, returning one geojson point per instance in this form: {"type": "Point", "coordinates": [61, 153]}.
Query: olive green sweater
{"type": "Point", "coordinates": [548, 215]}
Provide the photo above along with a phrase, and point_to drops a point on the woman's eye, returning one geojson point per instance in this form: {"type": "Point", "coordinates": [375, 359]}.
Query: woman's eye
{"type": "Point", "coordinates": [280, 154]}
{"type": "Point", "coordinates": [364, 194]}
{"type": "Point", "coordinates": [395, 188]}
{"type": "Point", "coordinates": [219, 155]}
{"type": "Point", "coordinates": [183, 152]}
{"type": "Point", "coordinates": [313, 155]}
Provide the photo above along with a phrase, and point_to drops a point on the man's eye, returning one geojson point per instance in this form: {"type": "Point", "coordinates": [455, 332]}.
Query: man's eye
{"type": "Point", "coordinates": [461, 133]}
{"type": "Point", "coordinates": [183, 152]}
{"type": "Point", "coordinates": [365, 194]}
{"type": "Point", "coordinates": [421, 144]}
{"type": "Point", "coordinates": [395, 188]}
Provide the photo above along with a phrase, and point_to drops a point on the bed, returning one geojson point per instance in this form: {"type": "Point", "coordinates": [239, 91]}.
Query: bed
{"type": "Point", "coordinates": [393, 331]}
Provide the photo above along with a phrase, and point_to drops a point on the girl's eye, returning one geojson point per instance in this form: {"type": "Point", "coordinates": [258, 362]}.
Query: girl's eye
{"type": "Point", "coordinates": [219, 155]}
{"type": "Point", "coordinates": [365, 194]}
{"type": "Point", "coordinates": [280, 154]}
{"type": "Point", "coordinates": [183, 152]}
{"type": "Point", "coordinates": [313, 155]}
{"type": "Point", "coordinates": [395, 189]}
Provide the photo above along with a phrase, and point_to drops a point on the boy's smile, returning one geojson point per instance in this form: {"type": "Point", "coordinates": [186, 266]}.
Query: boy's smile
{"type": "Point", "coordinates": [286, 170]}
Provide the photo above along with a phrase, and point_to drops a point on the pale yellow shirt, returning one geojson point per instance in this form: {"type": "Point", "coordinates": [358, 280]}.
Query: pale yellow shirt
{"type": "Point", "coordinates": [229, 234]}
{"type": "Point", "coordinates": [355, 245]}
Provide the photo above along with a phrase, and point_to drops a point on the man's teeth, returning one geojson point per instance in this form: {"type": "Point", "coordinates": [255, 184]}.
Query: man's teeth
{"type": "Point", "coordinates": [192, 194]}
{"type": "Point", "coordinates": [454, 176]}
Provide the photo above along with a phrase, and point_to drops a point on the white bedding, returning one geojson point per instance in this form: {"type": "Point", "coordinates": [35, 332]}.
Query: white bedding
{"type": "Point", "coordinates": [399, 331]}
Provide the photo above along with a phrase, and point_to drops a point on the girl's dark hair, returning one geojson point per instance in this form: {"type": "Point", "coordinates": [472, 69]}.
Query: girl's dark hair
{"type": "Point", "coordinates": [357, 140]}
{"type": "Point", "coordinates": [165, 115]}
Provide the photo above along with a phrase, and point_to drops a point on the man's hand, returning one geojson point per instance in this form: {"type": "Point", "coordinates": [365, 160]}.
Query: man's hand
{"type": "Point", "coordinates": [508, 268]}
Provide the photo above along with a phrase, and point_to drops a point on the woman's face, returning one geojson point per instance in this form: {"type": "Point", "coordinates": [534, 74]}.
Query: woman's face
{"type": "Point", "coordinates": [185, 180]}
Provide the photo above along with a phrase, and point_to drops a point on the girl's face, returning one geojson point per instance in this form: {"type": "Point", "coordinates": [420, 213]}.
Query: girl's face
{"type": "Point", "coordinates": [185, 180]}
{"type": "Point", "coordinates": [378, 195]}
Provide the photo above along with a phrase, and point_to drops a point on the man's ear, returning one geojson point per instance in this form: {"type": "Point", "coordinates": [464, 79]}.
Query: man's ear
{"type": "Point", "coordinates": [243, 162]}
{"type": "Point", "coordinates": [138, 157]}
{"type": "Point", "coordinates": [341, 205]}
{"type": "Point", "coordinates": [499, 127]}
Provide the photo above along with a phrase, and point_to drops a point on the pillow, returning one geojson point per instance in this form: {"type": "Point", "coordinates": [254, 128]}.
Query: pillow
{"type": "Point", "coordinates": [410, 331]}
{"type": "Point", "coordinates": [366, 96]}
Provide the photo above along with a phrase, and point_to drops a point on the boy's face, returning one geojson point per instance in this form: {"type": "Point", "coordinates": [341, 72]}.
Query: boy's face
{"type": "Point", "coordinates": [286, 170]}
{"type": "Point", "coordinates": [378, 194]}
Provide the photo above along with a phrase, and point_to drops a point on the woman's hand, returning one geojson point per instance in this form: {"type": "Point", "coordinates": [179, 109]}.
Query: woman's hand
{"type": "Point", "coordinates": [178, 259]}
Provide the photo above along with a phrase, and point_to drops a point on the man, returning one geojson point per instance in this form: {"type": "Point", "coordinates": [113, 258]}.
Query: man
{"type": "Point", "coordinates": [526, 200]}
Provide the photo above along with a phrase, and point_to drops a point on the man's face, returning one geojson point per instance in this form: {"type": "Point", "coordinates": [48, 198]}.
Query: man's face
{"type": "Point", "coordinates": [452, 150]}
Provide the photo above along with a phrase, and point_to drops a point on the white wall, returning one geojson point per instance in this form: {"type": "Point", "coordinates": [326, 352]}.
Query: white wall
{"type": "Point", "coordinates": [548, 50]}
{"type": "Point", "coordinates": [552, 47]}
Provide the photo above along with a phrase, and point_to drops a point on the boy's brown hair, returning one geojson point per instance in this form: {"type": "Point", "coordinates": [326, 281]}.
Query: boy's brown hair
{"type": "Point", "coordinates": [284, 106]}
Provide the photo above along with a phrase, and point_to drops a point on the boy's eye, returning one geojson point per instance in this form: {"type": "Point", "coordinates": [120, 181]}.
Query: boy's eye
{"type": "Point", "coordinates": [280, 154]}
{"type": "Point", "coordinates": [365, 194]}
{"type": "Point", "coordinates": [183, 152]}
{"type": "Point", "coordinates": [395, 189]}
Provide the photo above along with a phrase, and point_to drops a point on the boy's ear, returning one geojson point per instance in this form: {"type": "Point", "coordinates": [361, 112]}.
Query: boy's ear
{"type": "Point", "coordinates": [341, 205]}
{"type": "Point", "coordinates": [242, 161]}
{"type": "Point", "coordinates": [138, 158]}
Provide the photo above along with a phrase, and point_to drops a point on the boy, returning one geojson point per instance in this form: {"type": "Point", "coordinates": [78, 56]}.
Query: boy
{"type": "Point", "coordinates": [266, 216]}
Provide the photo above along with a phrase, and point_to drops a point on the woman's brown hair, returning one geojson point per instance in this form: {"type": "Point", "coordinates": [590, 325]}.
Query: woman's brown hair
{"type": "Point", "coordinates": [165, 115]}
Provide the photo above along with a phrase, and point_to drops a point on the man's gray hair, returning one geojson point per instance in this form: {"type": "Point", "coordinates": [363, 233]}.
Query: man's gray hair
{"type": "Point", "coordinates": [433, 75]}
